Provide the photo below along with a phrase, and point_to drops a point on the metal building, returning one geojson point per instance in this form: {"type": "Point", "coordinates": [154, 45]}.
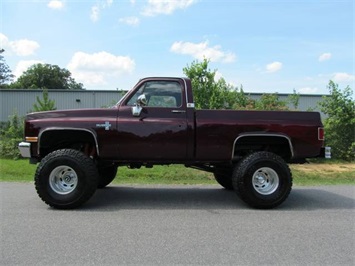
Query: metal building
{"type": "Point", "coordinates": [22, 101]}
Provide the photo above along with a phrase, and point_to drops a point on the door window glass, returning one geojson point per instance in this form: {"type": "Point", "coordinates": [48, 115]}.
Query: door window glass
{"type": "Point", "coordinates": [159, 94]}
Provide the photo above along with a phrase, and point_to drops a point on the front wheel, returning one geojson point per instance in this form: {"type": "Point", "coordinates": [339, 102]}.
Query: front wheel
{"type": "Point", "coordinates": [223, 177]}
{"type": "Point", "coordinates": [263, 180]}
{"type": "Point", "coordinates": [106, 175]}
{"type": "Point", "coordinates": [66, 179]}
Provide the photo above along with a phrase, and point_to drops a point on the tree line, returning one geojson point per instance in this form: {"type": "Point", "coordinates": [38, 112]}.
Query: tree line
{"type": "Point", "coordinates": [209, 93]}
{"type": "Point", "coordinates": [38, 76]}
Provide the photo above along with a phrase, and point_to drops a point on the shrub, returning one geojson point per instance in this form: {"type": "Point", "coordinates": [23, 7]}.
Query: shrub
{"type": "Point", "coordinates": [11, 134]}
{"type": "Point", "coordinates": [340, 123]}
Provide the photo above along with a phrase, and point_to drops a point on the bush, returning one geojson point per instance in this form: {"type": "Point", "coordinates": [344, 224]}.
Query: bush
{"type": "Point", "coordinates": [270, 102]}
{"type": "Point", "coordinates": [11, 134]}
{"type": "Point", "coordinates": [340, 123]}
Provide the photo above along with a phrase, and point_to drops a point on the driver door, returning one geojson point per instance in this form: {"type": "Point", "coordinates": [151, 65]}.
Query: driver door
{"type": "Point", "coordinates": [159, 131]}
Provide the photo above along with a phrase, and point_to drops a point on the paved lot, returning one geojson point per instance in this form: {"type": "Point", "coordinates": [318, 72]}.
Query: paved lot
{"type": "Point", "coordinates": [178, 225]}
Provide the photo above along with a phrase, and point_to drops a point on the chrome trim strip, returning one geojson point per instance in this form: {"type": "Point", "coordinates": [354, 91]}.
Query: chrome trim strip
{"type": "Point", "coordinates": [188, 105]}
{"type": "Point", "coordinates": [264, 135]}
{"type": "Point", "coordinates": [178, 111]}
{"type": "Point", "coordinates": [185, 85]}
{"type": "Point", "coordinates": [69, 128]}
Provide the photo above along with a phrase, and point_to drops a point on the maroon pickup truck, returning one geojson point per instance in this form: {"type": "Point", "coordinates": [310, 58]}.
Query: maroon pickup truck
{"type": "Point", "coordinates": [156, 124]}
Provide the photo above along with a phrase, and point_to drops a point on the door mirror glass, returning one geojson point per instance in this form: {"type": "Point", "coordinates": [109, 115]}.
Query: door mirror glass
{"type": "Point", "coordinates": [138, 107]}
{"type": "Point", "coordinates": [141, 100]}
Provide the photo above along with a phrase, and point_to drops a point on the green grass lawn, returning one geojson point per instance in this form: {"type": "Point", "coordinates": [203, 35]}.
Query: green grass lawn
{"type": "Point", "coordinates": [304, 175]}
{"type": "Point", "coordinates": [16, 170]}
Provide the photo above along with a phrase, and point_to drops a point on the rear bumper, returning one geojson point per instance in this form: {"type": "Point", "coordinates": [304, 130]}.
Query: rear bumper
{"type": "Point", "coordinates": [25, 149]}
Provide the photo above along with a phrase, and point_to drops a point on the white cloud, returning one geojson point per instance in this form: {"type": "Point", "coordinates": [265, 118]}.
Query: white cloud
{"type": "Point", "coordinates": [273, 67]}
{"type": "Point", "coordinates": [343, 77]}
{"type": "Point", "coordinates": [23, 65]}
{"type": "Point", "coordinates": [166, 7]}
{"type": "Point", "coordinates": [96, 69]}
{"type": "Point", "coordinates": [3, 41]}
{"type": "Point", "coordinates": [132, 21]}
{"type": "Point", "coordinates": [96, 9]}
{"type": "Point", "coordinates": [22, 47]}
{"type": "Point", "coordinates": [324, 57]}
{"type": "Point", "coordinates": [202, 50]}
{"type": "Point", "coordinates": [55, 4]}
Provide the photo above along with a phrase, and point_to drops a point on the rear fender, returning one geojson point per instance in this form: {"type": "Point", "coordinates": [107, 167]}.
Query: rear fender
{"type": "Point", "coordinates": [264, 139]}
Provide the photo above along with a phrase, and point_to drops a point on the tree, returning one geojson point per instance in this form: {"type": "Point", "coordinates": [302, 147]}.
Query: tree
{"type": "Point", "coordinates": [202, 80]}
{"type": "Point", "coordinates": [294, 99]}
{"type": "Point", "coordinates": [270, 102]}
{"type": "Point", "coordinates": [340, 123]}
{"type": "Point", "coordinates": [209, 93]}
{"type": "Point", "coordinates": [46, 76]}
{"type": "Point", "coordinates": [223, 96]}
{"type": "Point", "coordinates": [5, 72]}
{"type": "Point", "coordinates": [242, 101]}
{"type": "Point", "coordinates": [44, 105]}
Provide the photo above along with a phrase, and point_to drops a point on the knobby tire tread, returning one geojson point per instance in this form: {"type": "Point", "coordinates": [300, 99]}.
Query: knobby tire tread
{"type": "Point", "coordinates": [86, 166]}
{"type": "Point", "coordinates": [242, 186]}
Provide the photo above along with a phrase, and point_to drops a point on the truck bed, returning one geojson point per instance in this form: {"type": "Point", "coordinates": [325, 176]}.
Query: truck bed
{"type": "Point", "coordinates": [218, 130]}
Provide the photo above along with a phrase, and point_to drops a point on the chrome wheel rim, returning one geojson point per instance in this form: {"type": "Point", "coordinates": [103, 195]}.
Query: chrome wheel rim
{"type": "Point", "coordinates": [63, 180]}
{"type": "Point", "coordinates": [265, 181]}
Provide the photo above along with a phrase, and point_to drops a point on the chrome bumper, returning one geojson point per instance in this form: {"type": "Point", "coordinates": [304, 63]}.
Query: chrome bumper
{"type": "Point", "coordinates": [25, 149]}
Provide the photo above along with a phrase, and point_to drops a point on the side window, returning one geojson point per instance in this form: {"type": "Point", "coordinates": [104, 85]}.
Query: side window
{"type": "Point", "coordinates": [162, 101]}
{"type": "Point", "coordinates": [133, 100]}
{"type": "Point", "coordinates": [159, 94]}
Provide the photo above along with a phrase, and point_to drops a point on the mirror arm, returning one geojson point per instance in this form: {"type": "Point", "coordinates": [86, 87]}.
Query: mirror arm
{"type": "Point", "coordinates": [136, 110]}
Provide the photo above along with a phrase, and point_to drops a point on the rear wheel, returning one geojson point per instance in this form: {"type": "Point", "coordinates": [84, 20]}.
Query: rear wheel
{"type": "Point", "coordinates": [262, 180]}
{"type": "Point", "coordinates": [66, 179]}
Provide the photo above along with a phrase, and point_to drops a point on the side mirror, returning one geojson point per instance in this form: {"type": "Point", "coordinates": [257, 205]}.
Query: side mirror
{"type": "Point", "coordinates": [142, 100]}
{"type": "Point", "coordinates": [137, 109]}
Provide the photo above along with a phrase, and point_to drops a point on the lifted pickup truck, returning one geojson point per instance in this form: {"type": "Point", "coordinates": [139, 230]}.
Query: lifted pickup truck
{"type": "Point", "coordinates": [156, 124]}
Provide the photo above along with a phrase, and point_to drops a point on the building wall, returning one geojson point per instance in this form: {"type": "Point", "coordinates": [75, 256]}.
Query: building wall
{"type": "Point", "coordinates": [21, 101]}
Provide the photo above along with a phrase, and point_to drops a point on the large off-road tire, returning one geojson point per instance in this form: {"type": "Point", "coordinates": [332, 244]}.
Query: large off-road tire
{"type": "Point", "coordinates": [223, 177]}
{"type": "Point", "coordinates": [263, 180]}
{"type": "Point", "coordinates": [106, 175]}
{"type": "Point", "coordinates": [66, 179]}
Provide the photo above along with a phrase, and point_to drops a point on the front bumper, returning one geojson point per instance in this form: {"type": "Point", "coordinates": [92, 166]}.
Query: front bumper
{"type": "Point", "coordinates": [25, 149]}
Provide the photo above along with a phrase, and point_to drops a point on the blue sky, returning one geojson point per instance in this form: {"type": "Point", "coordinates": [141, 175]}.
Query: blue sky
{"type": "Point", "coordinates": [267, 46]}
